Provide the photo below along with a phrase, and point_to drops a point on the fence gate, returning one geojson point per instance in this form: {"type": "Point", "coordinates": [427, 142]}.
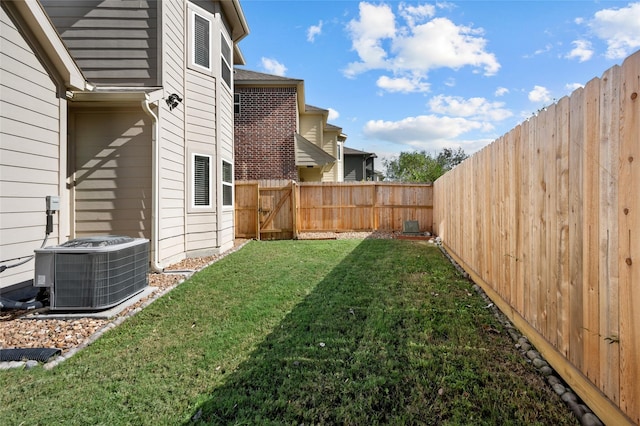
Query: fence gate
{"type": "Point", "coordinates": [265, 210]}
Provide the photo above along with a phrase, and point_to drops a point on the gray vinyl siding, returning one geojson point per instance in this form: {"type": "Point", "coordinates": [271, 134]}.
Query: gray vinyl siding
{"type": "Point", "coordinates": [353, 168]}
{"type": "Point", "coordinates": [114, 42]}
{"type": "Point", "coordinates": [29, 151]}
{"type": "Point", "coordinates": [112, 172]}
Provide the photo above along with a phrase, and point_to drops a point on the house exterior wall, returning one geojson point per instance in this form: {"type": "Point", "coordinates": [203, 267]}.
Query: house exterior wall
{"type": "Point", "coordinates": [330, 141]}
{"type": "Point", "coordinates": [353, 168]}
{"type": "Point", "coordinates": [115, 42]}
{"type": "Point", "coordinates": [311, 126]}
{"type": "Point", "coordinates": [313, 174]}
{"type": "Point", "coordinates": [208, 104]}
{"type": "Point", "coordinates": [226, 214]}
{"type": "Point", "coordinates": [111, 149]}
{"type": "Point", "coordinates": [32, 137]}
{"type": "Point", "coordinates": [111, 171]}
{"type": "Point", "coordinates": [265, 133]}
{"type": "Point", "coordinates": [357, 168]}
{"type": "Point", "coordinates": [172, 161]}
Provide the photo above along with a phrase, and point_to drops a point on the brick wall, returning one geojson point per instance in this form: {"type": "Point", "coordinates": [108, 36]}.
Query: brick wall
{"type": "Point", "coordinates": [265, 133]}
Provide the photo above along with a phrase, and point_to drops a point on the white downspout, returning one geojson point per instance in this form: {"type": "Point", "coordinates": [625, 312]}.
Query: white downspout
{"type": "Point", "coordinates": [155, 192]}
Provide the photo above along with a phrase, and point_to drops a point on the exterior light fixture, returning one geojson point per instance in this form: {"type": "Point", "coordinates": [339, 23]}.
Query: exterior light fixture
{"type": "Point", "coordinates": [173, 100]}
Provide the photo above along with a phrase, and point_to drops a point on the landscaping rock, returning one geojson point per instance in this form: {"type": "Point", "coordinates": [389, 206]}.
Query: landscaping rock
{"type": "Point", "coordinates": [590, 419]}
{"type": "Point", "coordinates": [11, 364]}
{"type": "Point", "coordinates": [531, 354]}
{"type": "Point", "coordinates": [576, 409]}
{"type": "Point", "coordinates": [559, 389]}
{"type": "Point", "coordinates": [539, 363]}
{"type": "Point", "coordinates": [546, 371]}
{"type": "Point", "coordinates": [553, 380]}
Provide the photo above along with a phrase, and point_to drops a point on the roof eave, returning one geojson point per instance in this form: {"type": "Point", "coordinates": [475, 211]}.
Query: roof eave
{"type": "Point", "coordinates": [234, 14]}
{"type": "Point", "coordinates": [36, 18]}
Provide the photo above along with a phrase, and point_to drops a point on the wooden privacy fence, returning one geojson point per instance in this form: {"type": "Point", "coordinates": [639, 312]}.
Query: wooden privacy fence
{"type": "Point", "coordinates": [284, 209]}
{"type": "Point", "coordinates": [547, 220]}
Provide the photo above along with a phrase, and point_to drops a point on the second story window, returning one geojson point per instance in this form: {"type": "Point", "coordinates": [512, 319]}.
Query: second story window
{"type": "Point", "coordinates": [201, 41]}
{"type": "Point", "coordinates": [225, 60]}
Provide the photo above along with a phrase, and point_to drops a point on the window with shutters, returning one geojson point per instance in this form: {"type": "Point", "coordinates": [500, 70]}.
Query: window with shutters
{"type": "Point", "coordinates": [227, 184]}
{"type": "Point", "coordinates": [201, 41]}
{"type": "Point", "coordinates": [201, 180]}
{"type": "Point", "coordinates": [225, 60]}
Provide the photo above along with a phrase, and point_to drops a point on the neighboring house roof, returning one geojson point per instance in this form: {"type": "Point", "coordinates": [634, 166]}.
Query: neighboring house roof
{"type": "Point", "coordinates": [311, 108]}
{"type": "Point", "coordinates": [332, 128]}
{"type": "Point", "coordinates": [243, 76]}
{"type": "Point", "coordinates": [309, 154]}
{"type": "Point", "coordinates": [351, 151]}
{"type": "Point", "coordinates": [46, 35]}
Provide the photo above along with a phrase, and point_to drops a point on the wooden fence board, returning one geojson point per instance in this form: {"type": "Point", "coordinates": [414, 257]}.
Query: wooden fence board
{"type": "Point", "coordinates": [590, 229]}
{"type": "Point", "coordinates": [562, 213]}
{"type": "Point", "coordinates": [576, 148]}
{"type": "Point", "coordinates": [608, 233]}
{"type": "Point", "coordinates": [547, 219]}
{"type": "Point", "coordinates": [335, 207]}
{"type": "Point", "coordinates": [629, 240]}
{"type": "Point", "coordinates": [551, 218]}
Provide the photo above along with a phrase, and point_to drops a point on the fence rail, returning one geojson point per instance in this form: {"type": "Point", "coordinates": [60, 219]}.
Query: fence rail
{"type": "Point", "coordinates": [547, 220]}
{"type": "Point", "coordinates": [335, 207]}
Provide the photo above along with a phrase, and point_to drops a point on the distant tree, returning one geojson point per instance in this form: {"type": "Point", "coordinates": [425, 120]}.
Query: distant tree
{"type": "Point", "coordinates": [423, 167]}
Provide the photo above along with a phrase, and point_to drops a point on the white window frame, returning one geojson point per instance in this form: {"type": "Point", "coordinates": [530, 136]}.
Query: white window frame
{"type": "Point", "coordinates": [192, 37]}
{"type": "Point", "coordinates": [193, 181]}
{"type": "Point", "coordinates": [226, 184]}
{"type": "Point", "coordinates": [237, 103]}
{"type": "Point", "coordinates": [229, 62]}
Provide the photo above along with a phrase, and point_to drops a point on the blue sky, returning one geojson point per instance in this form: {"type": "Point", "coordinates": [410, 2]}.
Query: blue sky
{"type": "Point", "coordinates": [406, 76]}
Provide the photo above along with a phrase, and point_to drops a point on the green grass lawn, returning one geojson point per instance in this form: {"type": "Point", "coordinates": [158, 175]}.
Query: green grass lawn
{"type": "Point", "coordinates": [299, 332]}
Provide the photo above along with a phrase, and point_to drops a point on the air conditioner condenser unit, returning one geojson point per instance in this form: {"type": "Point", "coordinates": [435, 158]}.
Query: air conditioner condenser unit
{"type": "Point", "coordinates": [93, 273]}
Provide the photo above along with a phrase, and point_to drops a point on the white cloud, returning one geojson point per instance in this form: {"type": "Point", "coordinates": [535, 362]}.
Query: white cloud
{"type": "Point", "coordinates": [450, 46]}
{"type": "Point", "coordinates": [573, 86]}
{"type": "Point", "coordinates": [382, 45]}
{"type": "Point", "coordinates": [402, 84]}
{"type": "Point", "coordinates": [272, 66]}
{"type": "Point", "coordinates": [582, 50]}
{"type": "Point", "coordinates": [333, 114]}
{"type": "Point", "coordinates": [540, 94]}
{"type": "Point", "coordinates": [473, 108]}
{"type": "Point", "coordinates": [313, 31]}
{"type": "Point", "coordinates": [423, 130]}
{"type": "Point", "coordinates": [620, 28]}
{"type": "Point", "coordinates": [413, 14]}
{"type": "Point", "coordinates": [501, 91]}
{"type": "Point", "coordinates": [376, 24]}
